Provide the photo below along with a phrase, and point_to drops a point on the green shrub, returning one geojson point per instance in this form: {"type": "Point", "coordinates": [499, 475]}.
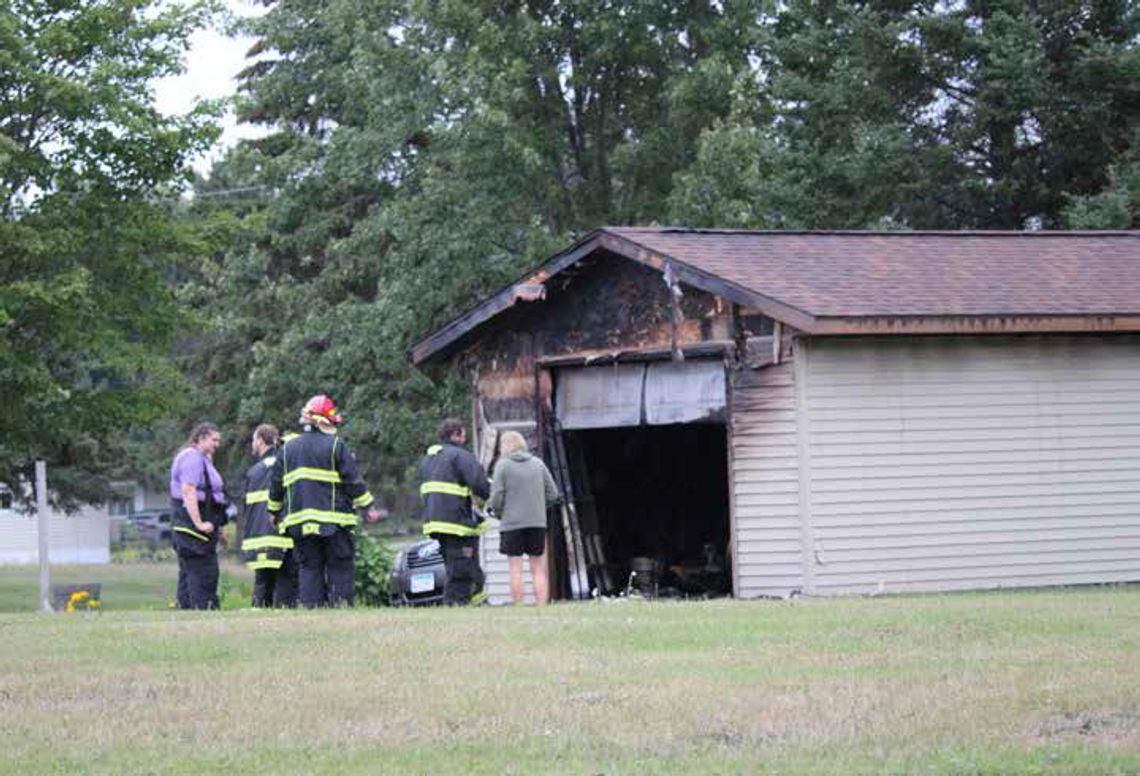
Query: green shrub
{"type": "Point", "coordinates": [373, 563]}
{"type": "Point", "coordinates": [142, 552]}
{"type": "Point", "coordinates": [234, 592]}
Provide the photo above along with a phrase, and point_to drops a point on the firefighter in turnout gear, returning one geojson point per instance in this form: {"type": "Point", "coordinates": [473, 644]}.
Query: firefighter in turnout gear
{"type": "Point", "coordinates": [449, 477]}
{"type": "Point", "coordinates": [315, 492]}
{"type": "Point", "coordinates": [264, 549]}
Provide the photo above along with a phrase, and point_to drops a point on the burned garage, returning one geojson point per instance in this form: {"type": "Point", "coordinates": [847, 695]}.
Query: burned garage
{"type": "Point", "coordinates": [770, 413]}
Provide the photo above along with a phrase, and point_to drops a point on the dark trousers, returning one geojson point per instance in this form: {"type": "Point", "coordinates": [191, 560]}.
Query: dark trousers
{"type": "Point", "coordinates": [461, 559]}
{"type": "Point", "coordinates": [198, 581]}
{"type": "Point", "coordinates": [326, 570]}
{"type": "Point", "coordinates": [276, 587]}
{"type": "Point", "coordinates": [182, 591]}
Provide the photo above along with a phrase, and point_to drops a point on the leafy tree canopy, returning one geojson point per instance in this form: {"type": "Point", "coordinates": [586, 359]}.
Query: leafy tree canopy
{"type": "Point", "coordinates": [86, 310]}
{"type": "Point", "coordinates": [969, 115]}
{"type": "Point", "coordinates": [421, 155]}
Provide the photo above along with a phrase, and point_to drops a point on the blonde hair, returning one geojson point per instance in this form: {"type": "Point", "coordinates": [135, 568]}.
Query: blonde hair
{"type": "Point", "coordinates": [511, 441]}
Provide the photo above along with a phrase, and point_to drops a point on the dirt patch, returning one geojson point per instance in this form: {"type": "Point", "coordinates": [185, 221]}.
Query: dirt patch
{"type": "Point", "coordinates": [1104, 726]}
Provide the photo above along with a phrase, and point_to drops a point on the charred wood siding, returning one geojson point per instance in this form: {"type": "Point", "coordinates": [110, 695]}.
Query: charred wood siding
{"type": "Point", "coordinates": [948, 463]}
{"type": "Point", "coordinates": [607, 304]}
{"type": "Point", "coordinates": [604, 304]}
{"type": "Point", "coordinates": [765, 482]}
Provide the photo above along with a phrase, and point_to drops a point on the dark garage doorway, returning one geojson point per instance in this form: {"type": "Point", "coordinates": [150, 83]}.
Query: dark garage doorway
{"type": "Point", "coordinates": [659, 493]}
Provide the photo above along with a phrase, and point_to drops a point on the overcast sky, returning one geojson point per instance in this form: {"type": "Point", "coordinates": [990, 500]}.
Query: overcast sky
{"type": "Point", "coordinates": [213, 61]}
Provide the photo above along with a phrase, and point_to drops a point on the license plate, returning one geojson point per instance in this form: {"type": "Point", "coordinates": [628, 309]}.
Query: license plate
{"type": "Point", "coordinates": [422, 583]}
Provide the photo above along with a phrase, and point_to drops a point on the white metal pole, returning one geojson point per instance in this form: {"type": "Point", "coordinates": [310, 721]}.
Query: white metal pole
{"type": "Point", "coordinates": [42, 530]}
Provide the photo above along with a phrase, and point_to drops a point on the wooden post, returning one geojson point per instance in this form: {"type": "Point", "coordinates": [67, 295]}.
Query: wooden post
{"type": "Point", "coordinates": [42, 531]}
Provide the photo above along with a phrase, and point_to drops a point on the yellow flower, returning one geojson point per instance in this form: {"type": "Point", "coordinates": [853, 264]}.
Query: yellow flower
{"type": "Point", "coordinates": [80, 598]}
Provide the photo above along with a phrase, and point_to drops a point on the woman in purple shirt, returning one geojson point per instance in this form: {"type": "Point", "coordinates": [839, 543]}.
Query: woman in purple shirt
{"type": "Point", "coordinates": [198, 505]}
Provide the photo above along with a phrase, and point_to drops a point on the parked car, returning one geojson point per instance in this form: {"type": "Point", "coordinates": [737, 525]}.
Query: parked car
{"type": "Point", "coordinates": [418, 575]}
{"type": "Point", "coordinates": [153, 526]}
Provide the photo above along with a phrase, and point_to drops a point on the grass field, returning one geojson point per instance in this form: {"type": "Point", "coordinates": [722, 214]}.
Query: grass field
{"type": "Point", "coordinates": [125, 586]}
{"type": "Point", "coordinates": [1027, 682]}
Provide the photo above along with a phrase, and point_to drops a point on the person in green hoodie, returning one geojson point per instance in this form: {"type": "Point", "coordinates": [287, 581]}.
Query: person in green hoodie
{"type": "Point", "coordinates": [522, 489]}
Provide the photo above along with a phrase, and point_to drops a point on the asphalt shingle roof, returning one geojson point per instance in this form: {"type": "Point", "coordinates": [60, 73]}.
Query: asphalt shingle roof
{"type": "Point", "coordinates": [859, 274]}
{"type": "Point", "coordinates": [871, 282]}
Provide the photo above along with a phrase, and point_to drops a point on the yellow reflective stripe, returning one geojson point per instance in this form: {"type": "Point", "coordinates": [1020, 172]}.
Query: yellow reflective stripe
{"type": "Point", "coordinates": [311, 473]}
{"type": "Point", "coordinates": [266, 542]}
{"type": "Point", "coordinates": [263, 564]}
{"type": "Point", "coordinates": [195, 534]}
{"type": "Point", "coordinates": [452, 529]}
{"type": "Point", "coordinates": [318, 516]}
{"type": "Point", "coordinates": [478, 598]}
{"type": "Point", "coordinates": [257, 496]}
{"type": "Point", "coordinates": [449, 488]}
{"type": "Point", "coordinates": [363, 500]}
{"type": "Point", "coordinates": [273, 506]}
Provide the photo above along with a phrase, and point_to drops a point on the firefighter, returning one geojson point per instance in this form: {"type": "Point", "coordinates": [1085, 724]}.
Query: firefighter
{"type": "Point", "coordinates": [315, 492]}
{"type": "Point", "coordinates": [449, 476]}
{"type": "Point", "coordinates": [264, 549]}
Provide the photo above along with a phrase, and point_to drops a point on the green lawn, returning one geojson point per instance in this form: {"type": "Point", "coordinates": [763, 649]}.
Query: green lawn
{"type": "Point", "coordinates": [1013, 682]}
{"type": "Point", "coordinates": [124, 585]}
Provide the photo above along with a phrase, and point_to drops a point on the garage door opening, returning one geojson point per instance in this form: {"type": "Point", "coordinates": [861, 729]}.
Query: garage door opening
{"type": "Point", "coordinates": [656, 497]}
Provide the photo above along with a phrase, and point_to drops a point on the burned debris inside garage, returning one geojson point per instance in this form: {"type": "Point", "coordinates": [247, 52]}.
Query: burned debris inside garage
{"type": "Point", "coordinates": [656, 499]}
{"type": "Point", "coordinates": [618, 380]}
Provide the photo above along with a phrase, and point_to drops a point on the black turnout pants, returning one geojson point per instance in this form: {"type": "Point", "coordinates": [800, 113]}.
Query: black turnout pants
{"type": "Point", "coordinates": [198, 581]}
{"type": "Point", "coordinates": [461, 559]}
{"type": "Point", "coordinates": [325, 574]}
{"type": "Point", "coordinates": [277, 587]}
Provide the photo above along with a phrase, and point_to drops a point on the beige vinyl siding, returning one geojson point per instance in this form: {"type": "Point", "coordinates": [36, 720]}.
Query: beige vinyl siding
{"type": "Point", "coordinates": [946, 463]}
{"type": "Point", "coordinates": [497, 582]}
{"type": "Point", "coordinates": [494, 565]}
{"type": "Point", "coordinates": [765, 482]}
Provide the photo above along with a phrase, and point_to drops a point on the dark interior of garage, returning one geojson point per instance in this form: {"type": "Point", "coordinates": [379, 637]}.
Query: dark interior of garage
{"type": "Point", "coordinates": [656, 497]}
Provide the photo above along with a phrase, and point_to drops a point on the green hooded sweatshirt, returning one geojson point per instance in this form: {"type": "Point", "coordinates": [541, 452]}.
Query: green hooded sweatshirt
{"type": "Point", "coordinates": [521, 490]}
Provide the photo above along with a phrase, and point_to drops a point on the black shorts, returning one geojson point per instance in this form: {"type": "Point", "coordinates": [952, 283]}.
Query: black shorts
{"type": "Point", "coordinates": [523, 541]}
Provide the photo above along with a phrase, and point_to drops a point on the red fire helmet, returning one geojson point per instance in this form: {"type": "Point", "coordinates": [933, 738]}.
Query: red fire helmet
{"type": "Point", "coordinates": [321, 406]}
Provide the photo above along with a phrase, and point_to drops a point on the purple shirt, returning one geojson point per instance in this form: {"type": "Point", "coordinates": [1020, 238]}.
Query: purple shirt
{"type": "Point", "coordinates": [187, 467]}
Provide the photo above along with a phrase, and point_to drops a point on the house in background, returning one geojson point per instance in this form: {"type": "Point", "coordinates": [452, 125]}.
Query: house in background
{"type": "Point", "coordinates": [83, 537]}
{"type": "Point", "coordinates": [130, 496]}
{"type": "Point", "coordinates": [827, 413]}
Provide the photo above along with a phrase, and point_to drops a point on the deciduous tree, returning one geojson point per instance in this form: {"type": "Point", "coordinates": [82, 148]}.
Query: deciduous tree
{"type": "Point", "coordinates": [86, 166]}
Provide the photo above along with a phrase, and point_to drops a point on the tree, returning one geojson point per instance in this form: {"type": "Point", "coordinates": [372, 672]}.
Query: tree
{"type": "Point", "coordinates": [423, 154]}
{"type": "Point", "coordinates": [86, 166]}
{"type": "Point", "coordinates": [922, 114]}
{"type": "Point", "coordinates": [1115, 207]}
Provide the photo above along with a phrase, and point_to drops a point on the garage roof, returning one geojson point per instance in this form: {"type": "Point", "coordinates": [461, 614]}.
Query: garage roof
{"type": "Point", "coordinates": [873, 282]}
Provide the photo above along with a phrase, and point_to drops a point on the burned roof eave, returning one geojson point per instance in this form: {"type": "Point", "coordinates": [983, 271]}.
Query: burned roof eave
{"type": "Point", "coordinates": [713, 284]}
{"type": "Point", "coordinates": [451, 332]}
{"type": "Point", "coordinates": [445, 337]}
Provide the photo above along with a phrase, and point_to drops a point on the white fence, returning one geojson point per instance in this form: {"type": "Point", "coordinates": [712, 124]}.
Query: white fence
{"type": "Point", "coordinates": [80, 538]}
